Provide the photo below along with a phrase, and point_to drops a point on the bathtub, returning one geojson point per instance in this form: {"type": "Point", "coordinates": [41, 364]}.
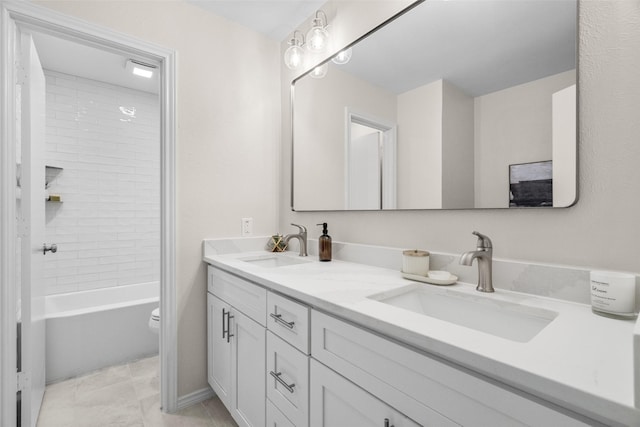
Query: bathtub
{"type": "Point", "coordinates": [89, 330]}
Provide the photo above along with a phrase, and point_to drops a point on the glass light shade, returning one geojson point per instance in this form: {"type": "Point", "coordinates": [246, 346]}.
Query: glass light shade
{"type": "Point", "coordinates": [320, 71]}
{"type": "Point", "coordinates": [293, 57]}
{"type": "Point", "coordinates": [317, 38]}
{"type": "Point", "coordinates": [343, 56]}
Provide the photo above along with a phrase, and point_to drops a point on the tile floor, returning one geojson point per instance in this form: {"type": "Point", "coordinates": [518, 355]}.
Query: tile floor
{"type": "Point", "coordinates": [124, 396]}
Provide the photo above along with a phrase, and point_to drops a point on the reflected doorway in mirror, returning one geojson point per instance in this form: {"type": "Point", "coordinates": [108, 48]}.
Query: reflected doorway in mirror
{"type": "Point", "coordinates": [370, 146]}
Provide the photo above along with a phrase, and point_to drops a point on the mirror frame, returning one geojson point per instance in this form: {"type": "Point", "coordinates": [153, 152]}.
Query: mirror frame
{"type": "Point", "coordinates": [370, 32]}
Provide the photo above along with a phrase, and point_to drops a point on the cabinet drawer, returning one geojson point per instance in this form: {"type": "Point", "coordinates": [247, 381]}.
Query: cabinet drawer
{"type": "Point", "coordinates": [421, 386]}
{"type": "Point", "coordinates": [275, 418]}
{"type": "Point", "coordinates": [289, 320]}
{"type": "Point", "coordinates": [288, 380]}
{"type": "Point", "coordinates": [245, 296]}
{"type": "Point", "coordinates": [335, 401]}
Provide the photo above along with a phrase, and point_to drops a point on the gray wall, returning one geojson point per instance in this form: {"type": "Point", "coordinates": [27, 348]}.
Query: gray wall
{"type": "Point", "coordinates": [601, 231]}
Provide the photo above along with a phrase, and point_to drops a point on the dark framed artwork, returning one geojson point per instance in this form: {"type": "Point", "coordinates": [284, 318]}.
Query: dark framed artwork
{"type": "Point", "coordinates": [531, 184]}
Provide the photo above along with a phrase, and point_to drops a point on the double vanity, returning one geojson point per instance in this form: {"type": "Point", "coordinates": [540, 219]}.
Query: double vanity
{"type": "Point", "coordinates": [296, 342]}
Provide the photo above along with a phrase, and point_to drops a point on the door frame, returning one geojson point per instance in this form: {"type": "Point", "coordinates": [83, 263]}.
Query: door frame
{"type": "Point", "coordinates": [387, 160]}
{"type": "Point", "coordinates": [16, 13]}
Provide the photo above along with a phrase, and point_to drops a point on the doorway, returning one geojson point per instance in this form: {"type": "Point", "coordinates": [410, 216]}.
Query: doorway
{"type": "Point", "coordinates": [16, 19]}
{"type": "Point", "coordinates": [370, 152]}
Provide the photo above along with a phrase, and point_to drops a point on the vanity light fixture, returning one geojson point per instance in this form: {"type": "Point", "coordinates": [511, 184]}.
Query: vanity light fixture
{"type": "Point", "coordinates": [139, 68]}
{"type": "Point", "coordinates": [294, 55]}
{"type": "Point", "coordinates": [318, 36]}
{"type": "Point", "coordinates": [343, 57]}
{"type": "Point", "coordinates": [320, 71]}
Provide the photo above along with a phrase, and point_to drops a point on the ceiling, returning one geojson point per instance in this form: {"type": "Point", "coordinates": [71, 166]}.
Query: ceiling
{"type": "Point", "coordinates": [77, 59]}
{"type": "Point", "coordinates": [275, 19]}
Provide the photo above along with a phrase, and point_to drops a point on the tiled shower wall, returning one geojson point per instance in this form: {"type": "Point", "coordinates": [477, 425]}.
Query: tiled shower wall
{"type": "Point", "coordinates": [107, 228]}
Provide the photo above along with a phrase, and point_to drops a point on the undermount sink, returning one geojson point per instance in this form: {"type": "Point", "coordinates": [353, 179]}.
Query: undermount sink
{"type": "Point", "coordinates": [273, 260]}
{"type": "Point", "coordinates": [483, 313]}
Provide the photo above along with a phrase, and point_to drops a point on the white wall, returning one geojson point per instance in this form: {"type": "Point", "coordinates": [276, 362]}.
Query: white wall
{"type": "Point", "coordinates": [420, 150]}
{"type": "Point", "coordinates": [107, 227]}
{"type": "Point", "coordinates": [564, 150]}
{"type": "Point", "coordinates": [457, 148]}
{"type": "Point", "coordinates": [601, 231]}
{"type": "Point", "coordinates": [512, 125]}
{"type": "Point", "coordinates": [228, 110]}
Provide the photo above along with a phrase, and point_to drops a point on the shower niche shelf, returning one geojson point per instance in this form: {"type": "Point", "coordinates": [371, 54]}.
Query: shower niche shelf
{"type": "Point", "coordinates": [51, 173]}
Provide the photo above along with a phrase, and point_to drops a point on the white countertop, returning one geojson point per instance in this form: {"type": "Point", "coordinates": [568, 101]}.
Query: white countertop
{"type": "Point", "coordinates": [581, 361]}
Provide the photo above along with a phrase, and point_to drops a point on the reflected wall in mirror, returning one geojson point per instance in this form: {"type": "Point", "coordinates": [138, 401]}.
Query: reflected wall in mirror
{"type": "Point", "coordinates": [435, 105]}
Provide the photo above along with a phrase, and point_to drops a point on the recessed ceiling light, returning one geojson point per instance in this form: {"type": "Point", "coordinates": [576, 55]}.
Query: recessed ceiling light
{"type": "Point", "coordinates": [139, 68]}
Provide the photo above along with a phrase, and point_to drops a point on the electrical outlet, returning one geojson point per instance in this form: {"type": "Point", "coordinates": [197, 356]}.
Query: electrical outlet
{"type": "Point", "coordinates": [247, 227]}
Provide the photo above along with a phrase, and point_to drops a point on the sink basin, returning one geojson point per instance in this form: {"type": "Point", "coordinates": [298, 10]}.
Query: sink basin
{"type": "Point", "coordinates": [483, 313]}
{"type": "Point", "coordinates": [273, 260]}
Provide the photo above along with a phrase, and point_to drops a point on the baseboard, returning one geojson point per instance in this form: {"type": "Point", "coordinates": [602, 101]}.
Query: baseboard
{"type": "Point", "coordinates": [195, 397]}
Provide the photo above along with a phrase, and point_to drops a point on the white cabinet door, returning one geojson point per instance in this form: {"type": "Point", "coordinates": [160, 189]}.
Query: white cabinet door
{"type": "Point", "coordinates": [248, 367]}
{"type": "Point", "coordinates": [336, 401]}
{"type": "Point", "coordinates": [219, 350]}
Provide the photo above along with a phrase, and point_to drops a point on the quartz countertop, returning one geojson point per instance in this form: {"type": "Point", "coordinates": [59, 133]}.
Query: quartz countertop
{"type": "Point", "coordinates": [580, 361]}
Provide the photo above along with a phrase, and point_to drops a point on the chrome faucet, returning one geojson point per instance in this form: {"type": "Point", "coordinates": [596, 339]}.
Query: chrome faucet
{"type": "Point", "coordinates": [301, 236]}
{"type": "Point", "coordinates": [484, 254]}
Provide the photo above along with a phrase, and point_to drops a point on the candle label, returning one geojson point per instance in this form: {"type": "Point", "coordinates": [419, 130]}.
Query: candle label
{"type": "Point", "coordinates": [614, 295]}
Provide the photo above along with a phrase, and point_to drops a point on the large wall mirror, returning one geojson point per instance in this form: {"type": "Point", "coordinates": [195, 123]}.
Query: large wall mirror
{"type": "Point", "coordinates": [453, 104]}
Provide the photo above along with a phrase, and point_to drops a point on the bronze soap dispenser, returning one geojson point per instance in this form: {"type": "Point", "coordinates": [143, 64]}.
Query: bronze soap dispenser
{"type": "Point", "coordinates": [324, 244]}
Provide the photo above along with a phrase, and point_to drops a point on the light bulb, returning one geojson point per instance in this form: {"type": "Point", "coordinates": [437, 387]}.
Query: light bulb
{"type": "Point", "coordinates": [318, 37]}
{"type": "Point", "coordinates": [343, 56]}
{"type": "Point", "coordinates": [293, 57]}
{"type": "Point", "coordinates": [320, 71]}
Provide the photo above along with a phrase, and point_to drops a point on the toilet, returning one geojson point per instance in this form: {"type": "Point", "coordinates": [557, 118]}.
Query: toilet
{"type": "Point", "coordinates": [154, 321]}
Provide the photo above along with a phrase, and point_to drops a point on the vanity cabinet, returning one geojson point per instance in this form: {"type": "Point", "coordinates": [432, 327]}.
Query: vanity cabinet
{"type": "Point", "coordinates": [428, 390]}
{"type": "Point", "coordinates": [236, 345]}
{"type": "Point", "coordinates": [276, 362]}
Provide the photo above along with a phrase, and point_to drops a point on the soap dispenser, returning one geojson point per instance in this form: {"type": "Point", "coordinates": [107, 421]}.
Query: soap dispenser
{"type": "Point", "coordinates": [324, 244]}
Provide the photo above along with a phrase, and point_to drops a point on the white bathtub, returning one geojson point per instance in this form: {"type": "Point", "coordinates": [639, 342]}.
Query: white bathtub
{"type": "Point", "coordinates": [89, 330]}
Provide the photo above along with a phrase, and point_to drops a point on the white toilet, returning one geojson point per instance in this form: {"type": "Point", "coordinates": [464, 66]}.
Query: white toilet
{"type": "Point", "coordinates": [154, 321]}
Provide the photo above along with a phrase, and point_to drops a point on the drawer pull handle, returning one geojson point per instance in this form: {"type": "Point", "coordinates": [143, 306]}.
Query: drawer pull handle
{"type": "Point", "coordinates": [278, 318]}
{"type": "Point", "coordinates": [386, 423]}
{"type": "Point", "coordinates": [276, 375]}
{"type": "Point", "coordinates": [226, 330]}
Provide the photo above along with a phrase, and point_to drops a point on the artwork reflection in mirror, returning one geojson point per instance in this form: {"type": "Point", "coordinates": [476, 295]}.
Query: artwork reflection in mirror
{"type": "Point", "coordinates": [434, 106]}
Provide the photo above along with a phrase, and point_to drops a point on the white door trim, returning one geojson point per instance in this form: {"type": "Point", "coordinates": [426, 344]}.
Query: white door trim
{"type": "Point", "coordinates": [44, 20]}
{"type": "Point", "coordinates": [389, 150]}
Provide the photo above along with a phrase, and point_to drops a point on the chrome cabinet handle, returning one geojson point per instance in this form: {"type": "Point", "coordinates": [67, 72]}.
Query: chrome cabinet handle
{"type": "Point", "coordinates": [229, 334]}
{"type": "Point", "coordinates": [386, 423]}
{"type": "Point", "coordinates": [278, 318]}
{"type": "Point", "coordinates": [276, 375]}
{"type": "Point", "coordinates": [226, 330]}
{"type": "Point", "coordinates": [52, 247]}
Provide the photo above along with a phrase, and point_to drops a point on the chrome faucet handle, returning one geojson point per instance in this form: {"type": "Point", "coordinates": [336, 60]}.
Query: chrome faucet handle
{"type": "Point", "coordinates": [302, 228]}
{"type": "Point", "coordinates": [483, 241]}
